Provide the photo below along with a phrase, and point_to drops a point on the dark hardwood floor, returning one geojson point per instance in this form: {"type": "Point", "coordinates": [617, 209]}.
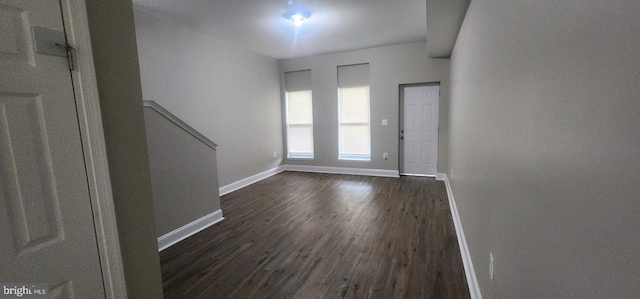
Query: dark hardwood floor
{"type": "Point", "coordinates": [306, 235]}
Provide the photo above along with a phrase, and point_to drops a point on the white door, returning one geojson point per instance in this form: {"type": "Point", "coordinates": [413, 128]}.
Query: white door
{"type": "Point", "coordinates": [46, 224]}
{"type": "Point", "coordinates": [419, 132]}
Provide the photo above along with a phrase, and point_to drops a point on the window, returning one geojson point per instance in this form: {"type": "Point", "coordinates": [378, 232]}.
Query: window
{"type": "Point", "coordinates": [299, 124]}
{"type": "Point", "coordinates": [355, 134]}
{"type": "Point", "coordinates": [354, 113]}
{"type": "Point", "coordinates": [299, 109]}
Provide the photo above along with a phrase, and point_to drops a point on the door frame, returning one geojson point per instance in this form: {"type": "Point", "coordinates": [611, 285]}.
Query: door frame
{"type": "Point", "coordinates": [401, 88]}
{"type": "Point", "coordinates": [76, 26]}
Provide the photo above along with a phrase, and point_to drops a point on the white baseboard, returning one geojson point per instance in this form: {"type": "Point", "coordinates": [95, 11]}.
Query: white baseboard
{"type": "Point", "coordinates": [472, 281]}
{"type": "Point", "coordinates": [165, 241]}
{"type": "Point", "coordinates": [441, 176]}
{"type": "Point", "coordinates": [418, 175]}
{"type": "Point", "coordinates": [343, 170]}
{"type": "Point", "coordinates": [250, 180]}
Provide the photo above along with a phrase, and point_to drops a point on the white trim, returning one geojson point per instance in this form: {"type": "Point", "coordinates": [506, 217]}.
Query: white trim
{"type": "Point", "coordinates": [472, 281]}
{"type": "Point", "coordinates": [167, 240]}
{"type": "Point", "coordinates": [419, 174]}
{"type": "Point", "coordinates": [441, 176]}
{"type": "Point", "coordinates": [343, 170]}
{"type": "Point", "coordinates": [94, 149]}
{"type": "Point", "coordinates": [250, 180]}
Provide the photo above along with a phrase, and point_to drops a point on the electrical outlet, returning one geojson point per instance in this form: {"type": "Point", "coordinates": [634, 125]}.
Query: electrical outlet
{"type": "Point", "coordinates": [275, 154]}
{"type": "Point", "coordinates": [491, 265]}
{"type": "Point", "coordinates": [384, 122]}
{"type": "Point", "coordinates": [385, 156]}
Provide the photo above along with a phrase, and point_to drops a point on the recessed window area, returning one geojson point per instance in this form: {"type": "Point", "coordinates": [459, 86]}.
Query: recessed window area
{"type": "Point", "coordinates": [354, 135]}
{"type": "Point", "coordinates": [299, 109]}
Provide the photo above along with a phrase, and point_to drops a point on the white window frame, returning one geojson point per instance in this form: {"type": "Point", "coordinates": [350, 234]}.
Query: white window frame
{"type": "Point", "coordinates": [351, 157]}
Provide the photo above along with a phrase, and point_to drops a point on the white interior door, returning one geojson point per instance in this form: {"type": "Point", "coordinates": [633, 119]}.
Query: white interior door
{"type": "Point", "coordinates": [46, 222]}
{"type": "Point", "coordinates": [420, 130]}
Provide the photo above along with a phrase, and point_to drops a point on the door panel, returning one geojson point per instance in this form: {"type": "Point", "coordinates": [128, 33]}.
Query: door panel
{"type": "Point", "coordinates": [46, 221]}
{"type": "Point", "coordinates": [14, 35]}
{"type": "Point", "coordinates": [420, 130]}
{"type": "Point", "coordinates": [408, 117]}
{"type": "Point", "coordinates": [426, 118]}
{"type": "Point", "coordinates": [33, 206]}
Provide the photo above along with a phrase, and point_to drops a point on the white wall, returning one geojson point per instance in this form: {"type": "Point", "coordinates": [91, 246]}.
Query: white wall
{"type": "Point", "coordinates": [545, 146]}
{"type": "Point", "coordinates": [389, 67]}
{"type": "Point", "coordinates": [229, 94]}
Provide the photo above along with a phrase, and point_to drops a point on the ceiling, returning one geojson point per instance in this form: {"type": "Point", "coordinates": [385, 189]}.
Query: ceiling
{"type": "Point", "coordinates": [444, 19]}
{"type": "Point", "coordinates": [334, 25]}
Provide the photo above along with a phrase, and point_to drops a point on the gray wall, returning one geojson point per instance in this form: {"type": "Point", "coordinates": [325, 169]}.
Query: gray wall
{"type": "Point", "coordinates": [116, 62]}
{"type": "Point", "coordinates": [184, 175]}
{"type": "Point", "coordinates": [389, 67]}
{"type": "Point", "coordinates": [229, 94]}
{"type": "Point", "coordinates": [545, 146]}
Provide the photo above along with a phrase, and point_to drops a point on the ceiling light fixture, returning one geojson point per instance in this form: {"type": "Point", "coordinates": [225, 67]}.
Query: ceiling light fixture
{"type": "Point", "coordinates": [298, 18]}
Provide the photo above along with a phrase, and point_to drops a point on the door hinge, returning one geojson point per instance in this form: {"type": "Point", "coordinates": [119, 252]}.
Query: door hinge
{"type": "Point", "coordinates": [71, 55]}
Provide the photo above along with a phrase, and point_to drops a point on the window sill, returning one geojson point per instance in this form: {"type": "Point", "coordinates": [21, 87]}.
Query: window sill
{"type": "Point", "coordinates": [354, 158]}
{"type": "Point", "coordinates": [300, 156]}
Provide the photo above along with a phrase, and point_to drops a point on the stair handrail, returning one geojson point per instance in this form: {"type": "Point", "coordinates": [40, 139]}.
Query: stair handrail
{"type": "Point", "coordinates": [178, 122]}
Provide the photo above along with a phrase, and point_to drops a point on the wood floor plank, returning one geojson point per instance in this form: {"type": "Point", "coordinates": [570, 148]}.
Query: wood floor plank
{"type": "Point", "coordinates": [309, 235]}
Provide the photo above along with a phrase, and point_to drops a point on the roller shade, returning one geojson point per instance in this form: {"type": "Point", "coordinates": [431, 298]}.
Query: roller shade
{"type": "Point", "coordinates": [298, 80]}
{"type": "Point", "coordinates": [353, 75]}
